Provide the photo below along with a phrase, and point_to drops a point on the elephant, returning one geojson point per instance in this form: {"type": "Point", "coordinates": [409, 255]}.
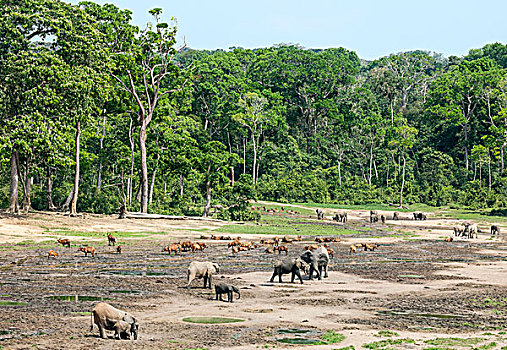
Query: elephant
{"type": "Point", "coordinates": [222, 288]}
{"type": "Point", "coordinates": [419, 216]}
{"type": "Point", "coordinates": [472, 231]}
{"type": "Point", "coordinates": [396, 215]}
{"type": "Point", "coordinates": [495, 230]}
{"type": "Point", "coordinates": [205, 270]}
{"type": "Point", "coordinates": [286, 266]}
{"type": "Point", "coordinates": [340, 217]}
{"type": "Point", "coordinates": [317, 262]}
{"type": "Point", "coordinates": [320, 214]}
{"type": "Point", "coordinates": [122, 328]}
{"type": "Point", "coordinates": [458, 230]}
{"type": "Point", "coordinates": [106, 317]}
{"type": "Point", "coordinates": [373, 216]}
{"type": "Point", "coordinates": [383, 219]}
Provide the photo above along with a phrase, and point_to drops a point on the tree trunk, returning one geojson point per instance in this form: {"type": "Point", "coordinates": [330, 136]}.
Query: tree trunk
{"type": "Point", "coordinates": [73, 204]}
{"type": "Point", "coordinates": [244, 156]}
{"type": "Point", "coordinates": [489, 173]}
{"type": "Point", "coordinates": [144, 169]}
{"type": "Point", "coordinates": [101, 143]}
{"type": "Point", "coordinates": [130, 183]}
{"type": "Point", "coordinates": [208, 199]}
{"type": "Point", "coordinates": [339, 173]}
{"type": "Point", "coordinates": [66, 204]}
{"type": "Point", "coordinates": [153, 177]}
{"type": "Point", "coordinates": [49, 190]}
{"type": "Point", "coordinates": [466, 145]}
{"type": "Point", "coordinates": [182, 185]}
{"type": "Point", "coordinates": [254, 165]}
{"type": "Point", "coordinates": [370, 166]}
{"type": "Point", "coordinates": [13, 190]}
{"type": "Point", "coordinates": [501, 159]}
{"type": "Point", "coordinates": [402, 180]}
{"type": "Point", "coordinates": [27, 200]}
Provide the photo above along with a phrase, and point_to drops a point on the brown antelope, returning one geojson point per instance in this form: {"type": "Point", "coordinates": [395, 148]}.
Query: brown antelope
{"type": "Point", "coordinates": [64, 242]}
{"type": "Point", "coordinates": [235, 250]}
{"type": "Point", "coordinates": [176, 248]}
{"type": "Point", "coordinates": [448, 239]}
{"type": "Point", "coordinates": [370, 247]}
{"type": "Point", "coordinates": [87, 250]}
{"type": "Point", "coordinates": [330, 251]}
{"type": "Point", "coordinates": [52, 253]}
{"type": "Point", "coordinates": [111, 239]}
{"type": "Point", "coordinates": [269, 251]}
{"type": "Point", "coordinates": [280, 249]}
{"type": "Point", "coordinates": [352, 249]}
{"type": "Point", "coordinates": [118, 249]}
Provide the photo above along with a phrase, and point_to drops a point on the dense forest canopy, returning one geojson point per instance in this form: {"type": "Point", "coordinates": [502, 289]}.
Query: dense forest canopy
{"type": "Point", "coordinates": [98, 113]}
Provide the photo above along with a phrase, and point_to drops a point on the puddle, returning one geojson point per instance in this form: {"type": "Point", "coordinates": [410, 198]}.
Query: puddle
{"type": "Point", "coordinates": [76, 298]}
{"type": "Point", "coordinates": [403, 313]}
{"type": "Point", "coordinates": [299, 341]}
{"type": "Point", "coordinates": [136, 273]}
{"type": "Point", "coordinates": [294, 331]}
{"type": "Point", "coordinates": [11, 303]}
{"type": "Point", "coordinates": [410, 276]}
{"type": "Point", "coordinates": [212, 320]}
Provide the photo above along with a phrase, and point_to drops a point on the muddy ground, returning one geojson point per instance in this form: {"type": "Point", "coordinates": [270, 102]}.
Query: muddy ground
{"type": "Point", "coordinates": [411, 291]}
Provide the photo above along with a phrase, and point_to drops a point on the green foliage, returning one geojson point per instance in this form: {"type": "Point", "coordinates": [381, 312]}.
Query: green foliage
{"type": "Point", "coordinates": [384, 344]}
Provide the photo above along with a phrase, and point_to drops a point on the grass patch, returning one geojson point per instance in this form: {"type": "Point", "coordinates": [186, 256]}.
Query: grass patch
{"type": "Point", "coordinates": [331, 337]}
{"type": "Point", "coordinates": [212, 320]}
{"type": "Point", "coordinates": [11, 303]}
{"type": "Point", "coordinates": [286, 229]}
{"type": "Point", "coordinates": [386, 334]}
{"type": "Point", "coordinates": [454, 341]}
{"type": "Point", "coordinates": [383, 344]}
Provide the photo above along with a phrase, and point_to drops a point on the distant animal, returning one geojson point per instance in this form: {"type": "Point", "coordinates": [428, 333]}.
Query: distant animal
{"type": "Point", "coordinates": [222, 288]}
{"type": "Point", "coordinates": [118, 249]}
{"type": "Point", "coordinates": [235, 250]}
{"type": "Point", "coordinates": [285, 239]}
{"type": "Point", "coordinates": [197, 246]}
{"type": "Point", "coordinates": [87, 250]}
{"type": "Point", "coordinates": [286, 266]}
{"type": "Point", "coordinates": [458, 230]}
{"type": "Point", "coordinates": [312, 247]}
{"type": "Point", "coordinates": [396, 215]}
{"type": "Point", "coordinates": [64, 242]}
{"type": "Point", "coordinates": [352, 249]}
{"type": "Point", "coordinates": [202, 269]}
{"type": "Point", "coordinates": [495, 230]}
{"type": "Point", "coordinates": [320, 214]}
{"type": "Point", "coordinates": [330, 251]}
{"type": "Point", "coordinates": [419, 216]}
{"type": "Point", "coordinates": [370, 246]}
{"type": "Point", "coordinates": [52, 253]}
{"type": "Point", "coordinates": [383, 219]}
{"type": "Point", "coordinates": [186, 245]}
{"type": "Point", "coordinates": [106, 317]}
{"type": "Point", "coordinates": [269, 251]}
{"type": "Point", "coordinates": [281, 248]}
{"type": "Point", "coordinates": [111, 239]}
{"type": "Point", "coordinates": [319, 240]}
{"type": "Point", "coordinates": [340, 217]}
{"type": "Point", "coordinates": [176, 248]}
{"type": "Point", "coordinates": [472, 231]}
{"type": "Point", "coordinates": [373, 216]}
{"type": "Point", "coordinates": [448, 239]}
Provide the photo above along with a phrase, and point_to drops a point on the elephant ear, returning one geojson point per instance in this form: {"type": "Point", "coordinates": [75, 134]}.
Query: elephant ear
{"type": "Point", "coordinates": [129, 319]}
{"type": "Point", "coordinates": [216, 266]}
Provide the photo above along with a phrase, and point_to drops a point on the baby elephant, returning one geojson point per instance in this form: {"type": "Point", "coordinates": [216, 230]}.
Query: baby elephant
{"type": "Point", "coordinates": [122, 330]}
{"type": "Point", "coordinates": [222, 288]}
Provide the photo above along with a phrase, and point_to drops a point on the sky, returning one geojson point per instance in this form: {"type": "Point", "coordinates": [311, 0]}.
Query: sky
{"type": "Point", "coordinates": [371, 28]}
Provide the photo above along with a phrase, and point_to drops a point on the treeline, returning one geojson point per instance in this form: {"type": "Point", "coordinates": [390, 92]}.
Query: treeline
{"type": "Point", "coordinates": [98, 113]}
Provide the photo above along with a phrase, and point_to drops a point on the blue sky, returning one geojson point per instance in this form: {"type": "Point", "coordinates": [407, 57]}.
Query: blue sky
{"type": "Point", "coordinates": [372, 28]}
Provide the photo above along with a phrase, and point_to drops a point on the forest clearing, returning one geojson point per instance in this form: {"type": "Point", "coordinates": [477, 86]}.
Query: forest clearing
{"type": "Point", "coordinates": [414, 291]}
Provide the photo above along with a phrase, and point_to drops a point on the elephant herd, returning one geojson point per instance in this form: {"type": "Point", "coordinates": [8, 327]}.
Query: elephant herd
{"type": "Point", "coordinates": [317, 262]}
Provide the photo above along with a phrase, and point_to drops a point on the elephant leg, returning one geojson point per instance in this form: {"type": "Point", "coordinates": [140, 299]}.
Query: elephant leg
{"type": "Point", "coordinates": [229, 296]}
{"type": "Point", "coordinates": [320, 273]}
{"type": "Point", "coordinates": [102, 332]}
{"type": "Point", "coordinates": [325, 270]}
{"type": "Point", "coordinates": [190, 278]}
{"type": "Point", "coordinates": [273, 277]}
{"type": "Point", "coordinates": [209, 281]}
{"type": "Point", "coordinates": [205, 278]}
{"type": "Point", "coordinates": [299, 276]}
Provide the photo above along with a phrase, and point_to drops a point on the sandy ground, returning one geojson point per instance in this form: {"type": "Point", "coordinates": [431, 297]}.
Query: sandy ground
{"type": "Point", "coordinates": [421, 288]}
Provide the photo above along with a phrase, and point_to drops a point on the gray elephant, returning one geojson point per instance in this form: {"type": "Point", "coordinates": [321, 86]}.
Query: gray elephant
{"type": "Point", "coordinates": [320, 214]}
{"type": "Point", "coordinates": [222, 288]}
{"type": "Point", "coordinates": [317, 262]}
{"type": "Point", "coordinates": [106, 317]}
{"type": "Point", "coordinates": [204, 270]}
{"type": "Point", "coordinates": [286, 266]}
{"type": "Point", "coordinates": [383, 219]}
{"type": "Point", "coordinates": [373, 216]}
{"type": "Point", "coordinates": [495, 230]}
{"type": "Point", "coordinates": [396, 215]}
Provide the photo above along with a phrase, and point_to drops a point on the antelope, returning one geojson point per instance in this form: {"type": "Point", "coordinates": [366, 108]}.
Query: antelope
{"type": "Point", "coordinates": [111, 239]}
{"type": "Point", "coordinates": [52, 253]}
{"type": "Point", "coordinates": [64, 242]}
{"type": "Point", "coordinates": [87, 250]}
